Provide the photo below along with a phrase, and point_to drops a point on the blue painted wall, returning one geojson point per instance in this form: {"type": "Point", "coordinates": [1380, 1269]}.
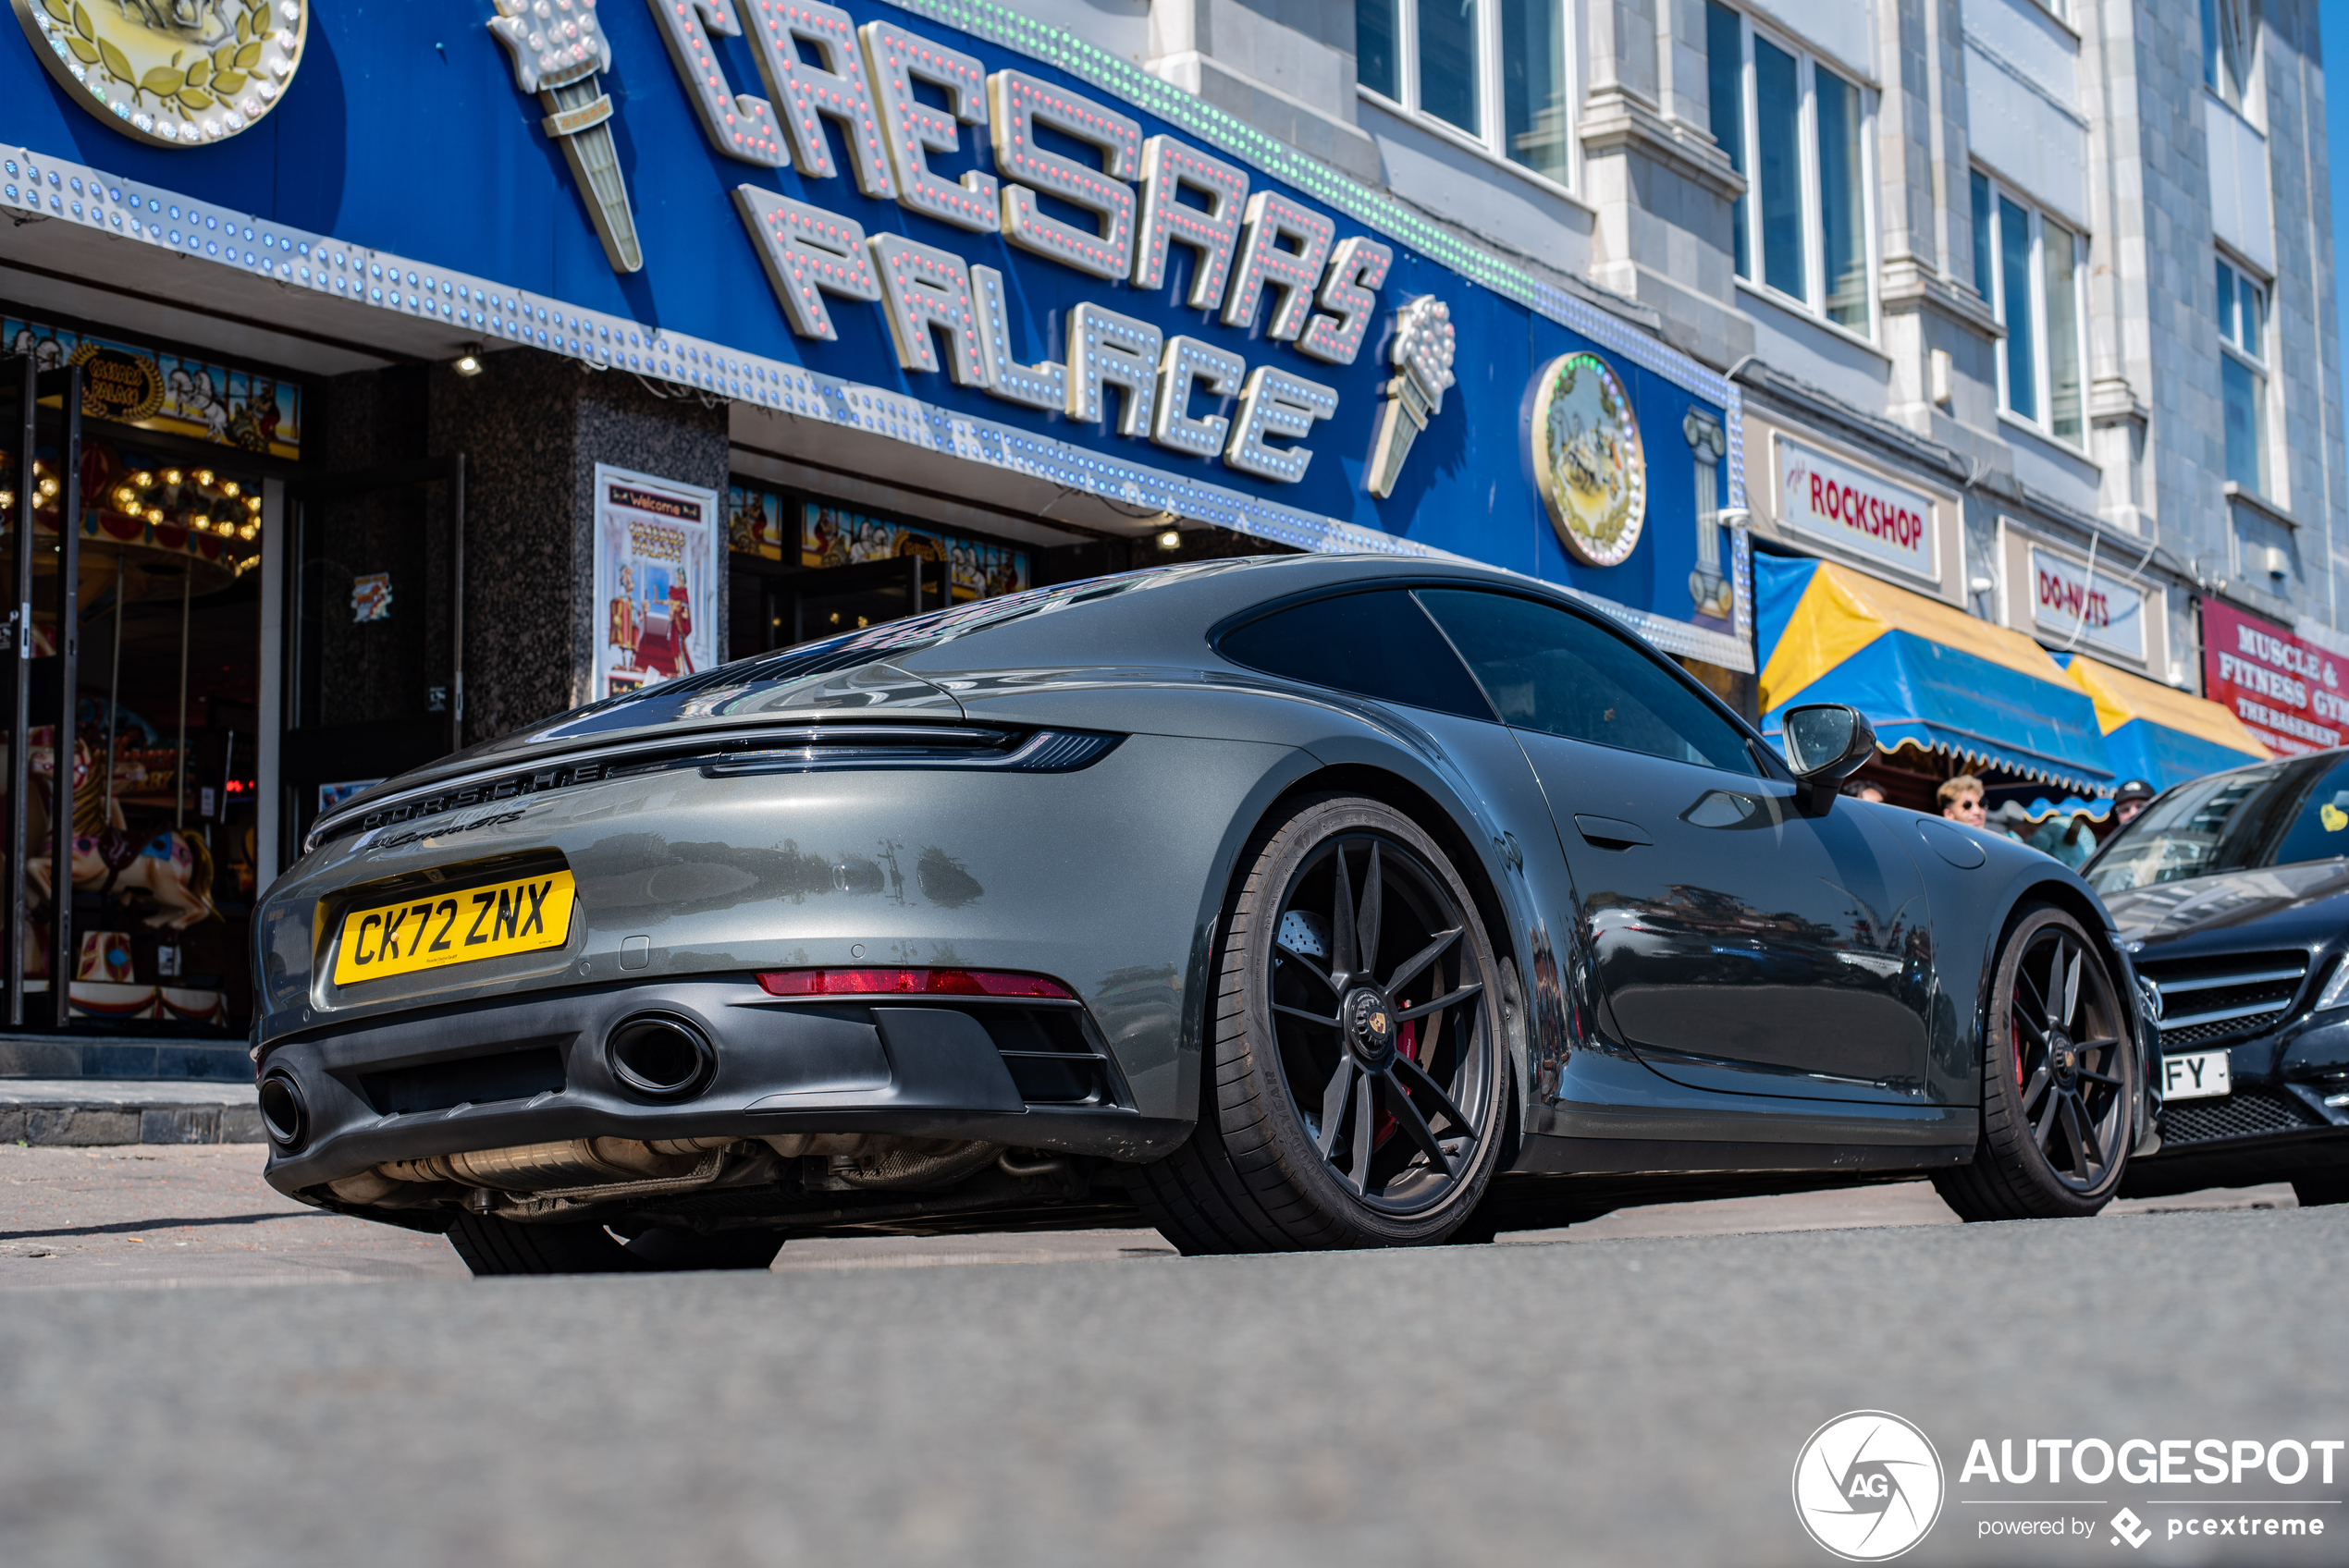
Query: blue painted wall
{"type": "Point", "coordinates": [403, 132]}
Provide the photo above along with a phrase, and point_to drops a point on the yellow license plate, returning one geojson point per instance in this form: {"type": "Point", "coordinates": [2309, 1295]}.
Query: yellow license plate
{"type": "Point", "coordinates": [434, 929]}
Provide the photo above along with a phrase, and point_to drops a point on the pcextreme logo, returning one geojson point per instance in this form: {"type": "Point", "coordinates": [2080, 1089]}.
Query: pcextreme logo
{"type": "Point", "coordinates": [1868, 1485]}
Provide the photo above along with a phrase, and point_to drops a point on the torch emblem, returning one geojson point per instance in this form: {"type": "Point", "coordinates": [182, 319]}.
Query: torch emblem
{"type": "Point", "coordinates": [558, 53]}
{"type": "Point", "coordinates": [1423, 354]}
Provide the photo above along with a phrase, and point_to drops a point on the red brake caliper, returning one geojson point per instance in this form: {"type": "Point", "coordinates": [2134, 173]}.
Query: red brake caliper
{"type": "Point", "coordinates": [1382, 1127]}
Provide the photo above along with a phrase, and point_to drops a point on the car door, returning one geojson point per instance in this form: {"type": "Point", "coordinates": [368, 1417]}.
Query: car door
{"type": "Point", "coordinates": [1739, 944]}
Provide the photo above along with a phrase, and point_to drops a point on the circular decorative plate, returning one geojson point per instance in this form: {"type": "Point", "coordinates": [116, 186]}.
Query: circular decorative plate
{"type": "Point", "coordinates": [1588, 461]}
{"type": "Point", "coordinates": [173, 73]}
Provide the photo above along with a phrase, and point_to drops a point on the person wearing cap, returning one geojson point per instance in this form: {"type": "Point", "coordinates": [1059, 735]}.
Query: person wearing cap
{"type": "Point", "coordinates": [2130, 799]}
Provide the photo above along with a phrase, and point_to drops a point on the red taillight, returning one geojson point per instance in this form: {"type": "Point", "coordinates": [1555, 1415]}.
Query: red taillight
{"type": "Point", "coordinates": [911, 982]}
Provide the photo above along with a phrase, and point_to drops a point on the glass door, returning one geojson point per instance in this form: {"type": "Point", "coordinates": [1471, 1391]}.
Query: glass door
{"type": "Point", "coordinates": [375, 627]}
{"type": "Point", "coordinates": [41, 416]}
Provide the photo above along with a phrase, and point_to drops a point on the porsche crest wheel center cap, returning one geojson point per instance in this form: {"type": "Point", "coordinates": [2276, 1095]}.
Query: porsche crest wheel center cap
{"type": "Point", "coordinates": [1370, 1027]}
{"type": "Point", "coordinates": [2064, 1056]}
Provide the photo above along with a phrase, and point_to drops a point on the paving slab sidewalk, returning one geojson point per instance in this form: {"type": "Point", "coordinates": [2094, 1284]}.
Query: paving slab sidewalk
{"type": "Point", "coordinates": [91, 1111]}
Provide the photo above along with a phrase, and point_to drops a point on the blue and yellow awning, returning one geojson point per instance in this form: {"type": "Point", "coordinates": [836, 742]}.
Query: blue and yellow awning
{"type": "Point", "coordinates": [1926, 674]}
{"type": "Point", "coordinates": [2155, 733]}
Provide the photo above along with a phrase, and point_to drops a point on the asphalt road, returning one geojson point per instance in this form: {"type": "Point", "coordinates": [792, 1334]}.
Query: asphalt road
{"type": "Point", "coordinates": [1629, 1395]}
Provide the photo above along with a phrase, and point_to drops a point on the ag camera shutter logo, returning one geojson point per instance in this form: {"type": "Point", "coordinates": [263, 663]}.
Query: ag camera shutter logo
{"type": "Point", "coordinates": [1868, 1485]}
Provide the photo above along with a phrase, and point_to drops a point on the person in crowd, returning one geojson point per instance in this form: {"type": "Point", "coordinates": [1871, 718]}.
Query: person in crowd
{"type": "Point", "coordinates": [2133, 797]}
{"type": "Point", "coordinates": [1960, 800]}
{"type": "Point", "coordinates": [1863, 789]}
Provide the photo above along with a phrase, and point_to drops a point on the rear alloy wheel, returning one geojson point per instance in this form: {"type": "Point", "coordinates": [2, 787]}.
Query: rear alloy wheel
{"type": "Point", "coordinates": [491, 1245]}
{"type": "Point", "coordinates": [1352, 1093]}
{"type": "Point", "coordinates": [2059, 1082]}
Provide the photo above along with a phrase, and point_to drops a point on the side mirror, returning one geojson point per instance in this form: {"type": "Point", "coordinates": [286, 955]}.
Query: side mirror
{"type": "Point", "coordinates": [1826, 742]}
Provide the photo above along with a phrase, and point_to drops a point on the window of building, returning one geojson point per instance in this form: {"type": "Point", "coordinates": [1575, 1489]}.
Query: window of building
{"type": "Point", "coordinates": [2229, 33]}
{"type": "Point", "coordinates": [2028, 266]}
{"type": "Point", "coordinates": [1798, 132]}
{"type": "Point", "coordinates": [2242, 376]}
{"type": "Point", "coordinates": [1496, 72]}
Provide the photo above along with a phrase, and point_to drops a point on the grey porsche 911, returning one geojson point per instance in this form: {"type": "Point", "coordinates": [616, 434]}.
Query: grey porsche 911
{"type": "Point", "coordinates": [1302, 902]}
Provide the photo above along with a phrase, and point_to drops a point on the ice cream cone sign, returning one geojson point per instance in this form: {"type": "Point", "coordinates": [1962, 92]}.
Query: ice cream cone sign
{"type": "Point", "coordinates": [1421, 353]}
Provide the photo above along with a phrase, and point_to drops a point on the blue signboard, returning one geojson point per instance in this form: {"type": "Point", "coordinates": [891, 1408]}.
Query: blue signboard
{"type": "Point", "coordinates": [940, 223]}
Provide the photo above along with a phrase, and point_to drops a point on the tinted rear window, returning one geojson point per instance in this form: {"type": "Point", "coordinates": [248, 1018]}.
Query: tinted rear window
{"type": "Point", "coordinates": [1547, 668]}
{"type": "Point", "coordinates": [1377, 644]}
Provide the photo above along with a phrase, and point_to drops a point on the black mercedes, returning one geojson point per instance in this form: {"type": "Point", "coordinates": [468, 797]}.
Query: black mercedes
{"type": "Point", "coordinates": [2231, 893]}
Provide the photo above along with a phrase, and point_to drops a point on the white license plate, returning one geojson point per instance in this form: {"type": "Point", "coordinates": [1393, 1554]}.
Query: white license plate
{"type": "Point", "coordinates": [2196, 1075]}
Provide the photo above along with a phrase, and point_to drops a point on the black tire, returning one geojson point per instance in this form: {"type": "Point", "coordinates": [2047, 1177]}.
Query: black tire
{"type": "Point", "coordinates": [2058, 1080]}
{"type": "Point", "coordinates": [491, 1245]}
{"type": "Point", "coordinates": [1321, 1102]}
{"type": "Point", "coordinates": [2315, 1189]}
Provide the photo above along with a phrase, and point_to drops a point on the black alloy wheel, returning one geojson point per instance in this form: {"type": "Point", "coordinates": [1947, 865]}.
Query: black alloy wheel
{"type": "Point", "coordinates": [2059, 1081]}
{"type": "Point", "coordinates": [1354, 1081]}
{"type": "Point", "coordinates": [490, 1245]}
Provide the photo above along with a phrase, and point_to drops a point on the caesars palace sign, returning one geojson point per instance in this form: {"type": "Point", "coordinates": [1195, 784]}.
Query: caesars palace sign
{"type": "Point", "coordinates": [1073, 181]}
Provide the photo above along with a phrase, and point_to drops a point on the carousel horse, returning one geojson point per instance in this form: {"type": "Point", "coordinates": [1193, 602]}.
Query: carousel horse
{"type": "Point", "coordinates": [172, 868]}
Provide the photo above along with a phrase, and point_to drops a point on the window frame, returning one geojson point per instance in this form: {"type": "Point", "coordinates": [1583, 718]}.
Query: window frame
{"type": "Point", "coordinates": [1490, 136]}
{"type": "Point", "coordinates": [2218, 77]}
{"type": "Point", "coordinates": [2257, 364]}
{"type": "Point", "coordinates": [1807, 67]}
{"type": "Point", "coordinates": [2042, 424]}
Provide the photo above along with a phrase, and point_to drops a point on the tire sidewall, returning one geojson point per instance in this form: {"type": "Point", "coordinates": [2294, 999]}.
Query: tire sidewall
{"type": "Point", "coordinates": [1249, 933]}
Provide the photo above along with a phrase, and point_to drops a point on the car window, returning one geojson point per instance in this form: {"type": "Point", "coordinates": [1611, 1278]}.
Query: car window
{"type": "Point", "coordinates": [2280, 813]}
{"type": "Point", "coordinates": [1378, 644]}
{"type": "Point", "coordinates": [1545, 669]}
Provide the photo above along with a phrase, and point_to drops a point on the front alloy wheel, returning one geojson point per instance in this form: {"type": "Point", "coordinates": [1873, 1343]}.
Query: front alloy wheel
{"type": "Point", "coordinates": [1355, 1085]}
{"type": "Point", "coordinates": [2059, 1082]}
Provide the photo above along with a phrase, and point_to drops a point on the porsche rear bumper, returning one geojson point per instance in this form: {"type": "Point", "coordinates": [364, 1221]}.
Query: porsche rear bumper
{"type": "Point", "coordinates": [539, 1070]}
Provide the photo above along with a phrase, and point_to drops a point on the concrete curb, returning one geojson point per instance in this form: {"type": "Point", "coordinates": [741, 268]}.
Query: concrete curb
{"type": "Point", "coordinates": [96, 1114]}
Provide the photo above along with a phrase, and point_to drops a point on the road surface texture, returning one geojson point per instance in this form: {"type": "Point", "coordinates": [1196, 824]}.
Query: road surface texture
{"type": "Point", "coordinates": [1634, 1390]}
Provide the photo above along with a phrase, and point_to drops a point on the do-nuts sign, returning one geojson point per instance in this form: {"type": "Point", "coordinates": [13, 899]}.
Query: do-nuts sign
{"type": "Point", "coordinates": [2288, 694]}
{"type": "Point", "coordinates": [1854, 508]}
{"type": "Point", "coordinates": [2103, 610]}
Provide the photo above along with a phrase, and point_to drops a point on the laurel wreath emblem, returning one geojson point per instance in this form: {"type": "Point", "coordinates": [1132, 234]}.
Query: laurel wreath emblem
{"type": "Point", "coordinates": [174, 72]}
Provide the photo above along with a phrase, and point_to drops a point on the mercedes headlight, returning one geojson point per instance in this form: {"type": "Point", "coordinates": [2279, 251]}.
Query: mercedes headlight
{"type": "Point", "coordinates": [2336, 991]}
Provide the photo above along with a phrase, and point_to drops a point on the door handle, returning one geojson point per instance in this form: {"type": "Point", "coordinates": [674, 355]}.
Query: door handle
{"type": "Point", "coordinates": [1611, 833]}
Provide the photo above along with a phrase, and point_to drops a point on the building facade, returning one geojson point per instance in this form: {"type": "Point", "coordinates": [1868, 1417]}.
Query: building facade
{"type": "Point", "coordinates": [384, 379]}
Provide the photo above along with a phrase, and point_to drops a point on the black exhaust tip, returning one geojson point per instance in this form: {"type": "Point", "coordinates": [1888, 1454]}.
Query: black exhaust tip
{"type": "Point", "coordinates": [284, 1116]}
{"type": "Point", "coordinates": [658, 1056]}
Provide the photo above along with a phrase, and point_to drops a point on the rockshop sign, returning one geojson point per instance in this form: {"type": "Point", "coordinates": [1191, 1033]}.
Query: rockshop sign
{"type": "Point", "coordinates": [2289, 694]}
{"type": "Point", "coordinates": [1856, 510]}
